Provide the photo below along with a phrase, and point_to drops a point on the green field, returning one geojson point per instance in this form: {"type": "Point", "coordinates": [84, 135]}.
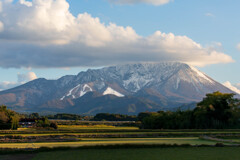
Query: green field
{"type": "Point", "coordinates": [175, 153]}
{"type": "Point", "coordinates": [94, 127]}
{"type": "Point", "coordinates": [109, 135]}
{"type": "Point", "coordinates": [112, 130]}
{"type": "Point", "coordinates": [140, 144]}
{"type": "Point", "coordinates": [146, 153]}
{"type": "Point", "coordinates": [112, 141]}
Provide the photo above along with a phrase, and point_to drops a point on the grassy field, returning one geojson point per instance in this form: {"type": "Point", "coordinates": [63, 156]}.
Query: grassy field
{"type": "Point", "coordinates": [111, 141]}
{"type": "Point", "coordinates": [112, 130]}
{"type": "Point", "coordinates": [110, 135]}
{"type": "Point", "coordinates": [182, 153]}
{"type": "Point", "coordinates": [93, 127]}
{"type": "Point", "coordinates": [100, 135]}
{"type": "Point", "coordinates": [146, 153]}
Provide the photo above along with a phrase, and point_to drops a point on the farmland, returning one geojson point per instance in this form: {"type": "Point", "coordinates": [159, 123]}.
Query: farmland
{"type": "Point", "coordinates": [145, 153]}
{"type": "Point", "coordinates": [127, 141]}
{"type": "Point", "coordinates": [153, 153]}
{"type": "Point", "coordinates": [112, 141]}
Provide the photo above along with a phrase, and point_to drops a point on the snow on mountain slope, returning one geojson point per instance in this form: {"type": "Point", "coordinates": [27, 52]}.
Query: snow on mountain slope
{"type": "Point", "coordinates": [109, 90]}
{"type": "Point", "coordinates": [172, 79]}
{"type": "Point", "coordinates": [134, 77]}
{"type": "Point", "coordinates": [78, 91]}
{"type": "Point", "coordinates": [71, 90]}
{"type": "Point", "coordinates": [230, 86]}
{"type": "Point", "coordinates": [200, 74]}
{"type": "Point", "coordinates": [172, 82]}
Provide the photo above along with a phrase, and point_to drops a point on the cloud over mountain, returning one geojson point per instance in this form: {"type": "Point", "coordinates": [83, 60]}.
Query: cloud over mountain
{"type": "Point", "coordinates": [232, 87]}
{"type": "Point", "coordinates": [26, 77]}
{"type": "Point", "coordinates": [6, 85]}
{"type": "Point", "coordinates": [21, 79]}
{"type": "Point", "coordinates": [44, 33]}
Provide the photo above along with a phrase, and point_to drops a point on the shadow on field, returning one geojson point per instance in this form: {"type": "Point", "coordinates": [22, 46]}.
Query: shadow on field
{"type": "Point", "coordinates": [17, 157]}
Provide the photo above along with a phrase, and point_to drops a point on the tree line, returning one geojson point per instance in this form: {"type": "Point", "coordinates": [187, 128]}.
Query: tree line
{"type": "Point", "coordinates": [62, 116]}
{"type": "Point", "coordinates": [113, 117]}
{"type": "Point", "coordinates": [216, 111]}
{"type": "Point", "coordinates": [8, 118]}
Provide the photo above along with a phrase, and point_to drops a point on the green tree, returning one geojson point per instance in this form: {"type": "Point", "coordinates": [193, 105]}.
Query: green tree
{"type": "Point", "coordinates": [44, 122]}
{"type": "Point", "coordinates": [14, 122]}
{"type": "Point", "coordinates": [3, 117]}
{"type": "Point", "coordinates": [34, 115]}
{"type": "Point", "coordinates": [8, 118]}
{"type": "Point", "coordinates": [216, 110]}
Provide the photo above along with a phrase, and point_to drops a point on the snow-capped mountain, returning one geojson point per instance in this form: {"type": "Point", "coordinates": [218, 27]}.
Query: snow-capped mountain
{"type": "Point", "coordinates": [166, 84]}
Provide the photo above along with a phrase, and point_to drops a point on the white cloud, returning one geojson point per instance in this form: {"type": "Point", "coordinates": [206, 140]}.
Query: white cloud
{"type": "Point", "coordinates": [7, 85]}
{"type": "Point", "coordinates": [238, 85]}
{"type": "Point", "coordinates": [0, 6]}
{"type": "Point", "coordinates": [238, 46]}
{"type": "Point", "coordinates": [1, 26]}
{"type": "Point", "coordinates": [230, 86]}
{"type": "Point", "coordinates": [210, 15]}
{"type": "Point", "coordinates": [46, 34]}
{"type": "Point", "coordinates": [154, 2]}
{"type": "Point", "coordinates": [22, 78]}
{"type": "Point", "coordinates": [27, 3]}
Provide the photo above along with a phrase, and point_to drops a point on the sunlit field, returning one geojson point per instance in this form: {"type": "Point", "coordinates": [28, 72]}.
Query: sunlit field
{"type": "Point", "coordinates": [111, 141]}
{"type": "Point", "coordinates": [94, 127]}
{"type": "Point", "coordinates": [150, 144]}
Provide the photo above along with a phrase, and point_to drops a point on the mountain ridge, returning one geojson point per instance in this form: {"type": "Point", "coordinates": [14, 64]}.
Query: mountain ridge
{"type": "Point", "coordinates": [158, 85]}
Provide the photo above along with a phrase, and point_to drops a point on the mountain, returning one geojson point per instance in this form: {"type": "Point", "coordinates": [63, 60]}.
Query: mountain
{"type": "Point", "coordinates": [113, 104]}
{"type": "Point", "coordinates": [129, 89]}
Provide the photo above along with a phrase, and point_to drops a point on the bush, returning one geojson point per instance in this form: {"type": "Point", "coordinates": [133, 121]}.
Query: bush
{"type": "Point", "coordinates": [54, 125]}
{"type": "Point", "coordinates": [44, 122]}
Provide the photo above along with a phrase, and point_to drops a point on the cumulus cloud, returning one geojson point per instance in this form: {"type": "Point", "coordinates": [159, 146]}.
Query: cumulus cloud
{"type": "Point", "coordinates": [232, 87]}
{"type": "Point", "coordinates": [43, 33]}
{"type": "Point", "coordinates": [22, 78]}
{"type": "Point", "coordinates": [154, 2]}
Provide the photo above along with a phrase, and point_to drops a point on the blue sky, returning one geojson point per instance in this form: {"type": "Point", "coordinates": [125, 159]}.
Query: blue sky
{"type": "Point", "coordinates": [212, 24]}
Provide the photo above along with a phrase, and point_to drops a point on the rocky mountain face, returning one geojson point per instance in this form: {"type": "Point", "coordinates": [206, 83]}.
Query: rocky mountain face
{"type": "Point", "coordinates": [128, 89]}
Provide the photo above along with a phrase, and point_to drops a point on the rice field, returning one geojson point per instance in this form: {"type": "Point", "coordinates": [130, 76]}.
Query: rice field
{"type": "Point", "coordinates": [109, 135]}
{"type": "Point", "coordinates": [112, 141]}
{"type": "Point", "coordinates": [100, 136]}
{"type": "Point", "coordinates": [94, 127]}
